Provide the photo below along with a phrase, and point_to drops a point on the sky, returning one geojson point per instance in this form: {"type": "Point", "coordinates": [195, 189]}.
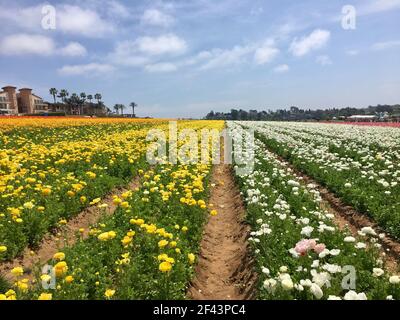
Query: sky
{"type": "Point", "coordinates": [183, 58]}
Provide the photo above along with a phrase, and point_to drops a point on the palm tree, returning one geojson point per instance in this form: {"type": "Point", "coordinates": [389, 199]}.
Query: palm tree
{"type": "Point", "coordinates": [90, 98]}
{"type": "Point", "coordinates": [53, 92]}
{"type": "Point", "coordinates": [83, 100]}
{"type": "Point", "coordinates": [63, 94]}
{"type": "Point", "coordinates": [122, 107]}
{"type": "Point", "coordinates": [98, 97]}
{"type": "Point", "coordinates": [133, 105]}
{"type": "Point", "coordinates": [116, 108]}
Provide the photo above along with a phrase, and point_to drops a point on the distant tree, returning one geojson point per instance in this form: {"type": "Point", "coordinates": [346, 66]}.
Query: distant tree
{"type": "Point", "coordinates": [63, 94]}
{"type": "Point", "coordinates": [53, 92]}
{"type": "Point", "coordinates": [133, 105]}
{"type": "Point", "coordinates": [98, 97]}
{"type": "Point", "coordinates": [122, 107]}
{"type": "Point", "coordinates": [90, 98]}
{"type": "Point", "coordinates": [116, 108]}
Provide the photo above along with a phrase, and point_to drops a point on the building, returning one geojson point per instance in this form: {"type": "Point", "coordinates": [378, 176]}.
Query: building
{"type": "Point", "coordinates": [362, 118]}
{"type": "Point", "coordinates": [24, 101]}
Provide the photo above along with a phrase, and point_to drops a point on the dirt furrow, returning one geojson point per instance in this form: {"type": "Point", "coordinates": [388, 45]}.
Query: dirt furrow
{"type": "Point", "coordinates": [224, 270]}
{"type": "Point", "coordinates": [53, 243]}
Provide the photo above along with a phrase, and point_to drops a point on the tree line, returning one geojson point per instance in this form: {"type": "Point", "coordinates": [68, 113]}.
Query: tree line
{"type": "Point", "coordinates": [296, 114]}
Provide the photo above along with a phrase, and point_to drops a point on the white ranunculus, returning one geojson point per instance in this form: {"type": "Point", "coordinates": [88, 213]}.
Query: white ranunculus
{"type": "Point", "coordinates": [394, 279]}
{"type": "Point", "coordinates": [368, 231]}
{"type": "Point", "coordinates": [283, 269]}
{"type": "Point", "coordinates": [265, 270]}
{"type": "Point", "coordinates": [360, 245]}
{"type": "Point", "coordinates": [334, 252]}
{"type": "Point", "coordinates": [287, 284]}
{"type": "Point", "coordinates": [334, 298]}
{"type": "Point", "coordinates": [316, 291]}
{"type": "Point", "coordinates": [377, 272]}
{"type": "Point", "coordinates": [349, 239]}
{"type": "Point", "coordinates": [306, 231]}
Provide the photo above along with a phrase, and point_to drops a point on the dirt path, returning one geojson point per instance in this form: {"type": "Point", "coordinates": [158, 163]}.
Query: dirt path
{"type": "Point", "coordinates": [224, 270]}
{"type": "Point", "coordinates": [51, 244]}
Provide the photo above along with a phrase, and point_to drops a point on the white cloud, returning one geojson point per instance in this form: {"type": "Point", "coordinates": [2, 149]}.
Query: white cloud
{"type": "Point", "coordinates": [25, 44]}
{"type": "Point", "coordinates": [85, 69]}
{"type": "Point", "coordinates": [164, 44]}
{"type": "Point", "coordinates": [73, 49]}
{"type": "Point", "coordinates": [155, 17]}
{"type": "Point", "coordinates": [84, 22]}
{"type": "Point", "coordinates": [379, 46]}
{"type": "Point", "coordinates": [222, 58]}
{"type": "Point", "coordinates": [316, 40]}
{"type": "Point", "coordinates": [281, 68]}
{"type": "Point", "coordinates": [161, 67]}
{"type": "Point", "coordinates": [324, 60]}
{"type": "Point", "coordinates": [126, 53]}
{"type": "Point", "coordinates": [266, 53]}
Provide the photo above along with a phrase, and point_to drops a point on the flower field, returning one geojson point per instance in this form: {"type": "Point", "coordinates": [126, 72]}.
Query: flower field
{"type": "Point", "coordinates": [148, 247]}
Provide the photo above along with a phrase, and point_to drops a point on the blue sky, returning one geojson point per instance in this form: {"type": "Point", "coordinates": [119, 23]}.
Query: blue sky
{"type": "Point", "coordinates": [183, 58]}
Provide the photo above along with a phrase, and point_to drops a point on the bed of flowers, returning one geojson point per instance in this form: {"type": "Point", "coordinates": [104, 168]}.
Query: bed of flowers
{"type": "Point", "coordinates": [359, 164]}
{"type": "Point", "coordinates": [50, 171]}
{"type": "Point", "coordinates": [145, 250]}
{"type": "Point", "coordinates": [299, 251]}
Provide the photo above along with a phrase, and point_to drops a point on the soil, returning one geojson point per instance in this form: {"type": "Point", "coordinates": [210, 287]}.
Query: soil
{"type": "Point", "coordinates": [52, 243]}
{"type": "Point", "coordinates": [225, 268]}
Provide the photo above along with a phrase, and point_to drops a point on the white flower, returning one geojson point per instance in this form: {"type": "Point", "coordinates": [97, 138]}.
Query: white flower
{"type": "Point", "coordinates": [332, 268]}
{"type": "Point", "coordinates": [283, 269]}
{"type": "Point", "coordinates": [321, 279]}
{"type": "Point", "coordinates": [299, 287]}
{"type": "Point", "coordinates": [377, 272]}
{"type": "Point", "coordinates": [334, 252]}
{"type": "Point", "coordinates": [306, 283]}
{"type": "Point", "coordinates": [394, 279]}
{"type": "Point", "coordinates": [349, 239]}
{"type": "Point", "coordinates": [316, 291]}
{"type": "Point", "coordinates": [270, 285]}
{"type": "Point", "coordinates": [368, 231]}
{"type": "Point", "coordinates": [389, 297]}
{"type": "Point", "coordinates": [352, 295]}
{"type": "Point", "coordinates": [360, 245]}
{"type": "Point", "coordinates": [307, 231]}
{"type": "Point", "coordinates": [315, 264]}
{"type": "Point", "coordinates": [334, 298]}
{"type": "Point", "coordinates": [265, 270]}
{"type": "Point", "coordinates": [324, 253]}
{"type": "Point", "coordinates": [347, 185]}
{"type": "Point", "coordinates": [259, 221]}
{"type": "Point", "coordinates": [287, 284]}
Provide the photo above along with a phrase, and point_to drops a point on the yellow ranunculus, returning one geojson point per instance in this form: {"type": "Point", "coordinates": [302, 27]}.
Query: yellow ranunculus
{"type": "Point", "coordinates": [60, 256]}
{"type": "Point", "coordinates": [162, 243]}
{"type": "Point", "coordinates": [17, 271]}
{"type": "Point", "coordinates": [3, 249]}
{"type": "Point", "coordinates": [109, 293]}
{"type": "Point", "coordinates": [165, 266]}
{"type": "Point", "coordinates": [192, 258]}
{"type": "Point", "coordinates": [45, 296]}
{"type": "Point", "coordinates": [69, 279]}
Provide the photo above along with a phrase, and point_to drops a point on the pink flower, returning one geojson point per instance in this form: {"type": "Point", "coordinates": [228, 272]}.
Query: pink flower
{"type": "Point", "coordinates": [319, 248]}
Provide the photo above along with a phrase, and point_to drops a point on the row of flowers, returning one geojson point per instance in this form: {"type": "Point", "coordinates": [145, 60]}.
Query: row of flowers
{"type": "Point", "coordinates": [360, 164]}
{"type": "Point", "coordinates": [145, 250]}
{"type": "Point", "coordinates": [47, 175]}
{"type": "Point", "coordinates": [299, 250]}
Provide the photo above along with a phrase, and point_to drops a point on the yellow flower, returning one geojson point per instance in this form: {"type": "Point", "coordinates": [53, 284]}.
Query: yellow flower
{"type": "Point", "coordinates": [70, 193]}
{"type": "Point", "coordinates": [165, 266]}
{"type": "Point", "coordinates": [83, 199]}
{"type": "Point", "coordinates": [126, 240]}
{"type": "Point", "coordinates": [46, 191]}
{"type": "Point", "coordinates": [184, 229]}
{"type": "Point", "coordinates": [125, 204]}
{"type": "Point", "coordinates": [172, 244]}
{"type": "Point", "coordinates": [60, 256]}
{"type": "Point", "coordinates": [162, 243]}
{"type": "Point", "coordinates": [22, 285]}
{"type": "Point", "coordinates": [61, 268]}
{"type": "Point", "coordinates": [3, 297]}
{"type": "Point", "coordinates": [10, 293]}
{"type": "Point", "coordinates": [177, 250]}
{"type": "Point", "coordinates": [19, 220]}
{"type": "Point", "coordinates": [191, 258]}
{"type": "Point", "coordinates": [41, 208]}
{"type": "Point", "coordinates": [213, 212]}
{"type": "Point", "coordinates": [63, 222]}
{"type": "Point", "coordinates": [45, 277]}
{"type": "Point", "coordinates": [109, 293]}
{"type": "Point", "coordinates": [95, 201]}
{"type": "Point", "coordinates": [45, 296]}
{"type": "Point", "coordinates": [3, 249]}
{"type": "Point", "coordinates": [117, 200]}
{"type": "Point", "coordinates": [69, 279]}
{"type": "Point", "coordinates": [91, 175]}
{"type": "Point", "coordinates": [17, 271]}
